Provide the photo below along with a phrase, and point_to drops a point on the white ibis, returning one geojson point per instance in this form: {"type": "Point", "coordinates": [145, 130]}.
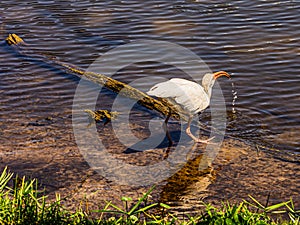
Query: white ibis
{"type": "Point", "coordinates": [193, 97]}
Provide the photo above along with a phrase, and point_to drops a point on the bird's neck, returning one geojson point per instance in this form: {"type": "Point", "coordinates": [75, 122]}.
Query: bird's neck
{"type": "Point", "coordinates": [207, 85]}
{"type": "Point", "coordinates": [208, 91]}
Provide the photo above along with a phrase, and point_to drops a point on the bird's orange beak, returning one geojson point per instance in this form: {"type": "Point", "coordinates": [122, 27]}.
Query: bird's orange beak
{"type": "Point", "coordinates": [220, 73]}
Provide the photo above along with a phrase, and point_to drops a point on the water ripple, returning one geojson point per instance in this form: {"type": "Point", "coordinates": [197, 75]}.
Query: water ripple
{"type": "Point", "coordinates": [256, 41]}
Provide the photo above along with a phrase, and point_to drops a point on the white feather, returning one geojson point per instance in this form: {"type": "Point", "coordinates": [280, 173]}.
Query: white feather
{"type": "Point", "coordinates": [188, 94]}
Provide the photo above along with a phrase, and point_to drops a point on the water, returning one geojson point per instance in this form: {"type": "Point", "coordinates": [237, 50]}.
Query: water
{"type": "Point", "coordinates": [235, 96]}
{"type": "Point", "coordinates": [257, 42]}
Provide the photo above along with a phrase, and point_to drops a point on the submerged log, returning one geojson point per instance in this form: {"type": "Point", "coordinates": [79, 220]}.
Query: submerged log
{"type": "Point", "coordinates": [163, 106]}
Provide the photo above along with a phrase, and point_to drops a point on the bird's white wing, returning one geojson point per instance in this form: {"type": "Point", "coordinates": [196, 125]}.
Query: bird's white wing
{"type": "Point", "coordinates": [188, 94]}
{"type": "Point", "coordinates": [167, 89]}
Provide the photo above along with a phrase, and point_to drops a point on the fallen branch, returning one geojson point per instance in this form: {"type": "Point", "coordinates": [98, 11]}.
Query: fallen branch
{"type": "Point", "coordinates": [162, 105]}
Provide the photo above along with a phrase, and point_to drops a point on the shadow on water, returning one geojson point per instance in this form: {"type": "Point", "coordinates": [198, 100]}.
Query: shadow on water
{"type": "Point", "coordinates": [164, 144]}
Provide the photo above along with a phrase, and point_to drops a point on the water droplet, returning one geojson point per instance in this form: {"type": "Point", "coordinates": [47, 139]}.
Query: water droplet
{"type": "Point", "coordinates": [234, 94]}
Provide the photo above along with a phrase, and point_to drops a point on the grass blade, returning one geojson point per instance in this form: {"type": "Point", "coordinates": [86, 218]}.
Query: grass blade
{"type": "Point", "coordinates": [140, 200]}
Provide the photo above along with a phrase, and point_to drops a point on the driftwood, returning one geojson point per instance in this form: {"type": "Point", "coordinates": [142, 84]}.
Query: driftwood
{"type": "Point", "coordinates": [163, 106]}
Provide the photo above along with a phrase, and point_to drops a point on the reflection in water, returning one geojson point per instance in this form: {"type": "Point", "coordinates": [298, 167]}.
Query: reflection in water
{"type": "Point", "coordinates": [183, 180]}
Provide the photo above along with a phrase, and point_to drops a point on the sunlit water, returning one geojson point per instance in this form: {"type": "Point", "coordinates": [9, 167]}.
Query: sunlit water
{"type": "Point", "coordinates": [257, 42]}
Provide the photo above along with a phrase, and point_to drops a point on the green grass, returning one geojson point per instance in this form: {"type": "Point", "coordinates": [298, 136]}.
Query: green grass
{"type": "Point", "coordinates": [22, 203]}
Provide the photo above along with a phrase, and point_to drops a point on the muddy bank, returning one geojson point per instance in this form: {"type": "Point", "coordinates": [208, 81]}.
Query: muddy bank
{"type": "Point", "coordinates": [239, 170]}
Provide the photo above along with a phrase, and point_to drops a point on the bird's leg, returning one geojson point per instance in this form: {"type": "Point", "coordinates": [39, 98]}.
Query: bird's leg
{"type": "Point", "coordinates": [188, 132]}
{"type": "Point", "coordinates": [165, 126]}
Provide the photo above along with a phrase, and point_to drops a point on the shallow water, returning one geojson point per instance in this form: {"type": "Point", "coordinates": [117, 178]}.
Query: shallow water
{"type": "Point", "coordinates": [257, 42]}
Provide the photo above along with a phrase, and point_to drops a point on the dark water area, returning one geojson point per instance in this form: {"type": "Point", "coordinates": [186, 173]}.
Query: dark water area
{"type": "Point", "coordinates": [257, 42]}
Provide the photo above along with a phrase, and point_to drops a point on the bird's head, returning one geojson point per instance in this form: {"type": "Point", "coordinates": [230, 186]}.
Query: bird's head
{"type": "Point", "coordinates": [209, 79]}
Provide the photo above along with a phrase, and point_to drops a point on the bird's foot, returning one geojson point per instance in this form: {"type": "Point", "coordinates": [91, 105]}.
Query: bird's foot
{"type": "Point", "coordinates": [196, 140]}
{"type": "Point", "coordinates": [203, 141]}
